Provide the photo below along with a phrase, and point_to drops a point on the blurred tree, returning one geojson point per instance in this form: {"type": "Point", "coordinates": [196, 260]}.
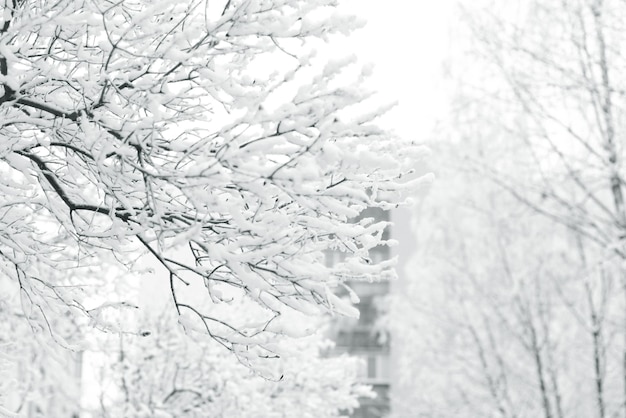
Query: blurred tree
{"type": "Point", "coordinates": [36, 380]}
{"type": "Point", "coordinates": [503, 317]}
{"type": "Point", "coordinates": [562, 102]}
{"type": "Point", "coordinates": [528, 260]}
{"type": "Point", "coordinates": [173, 373]}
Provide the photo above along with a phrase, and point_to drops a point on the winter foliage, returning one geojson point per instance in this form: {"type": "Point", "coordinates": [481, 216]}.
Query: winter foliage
{"type": "Point", "coordinates": [154, 126]}
{"type": "Point", "coordinates": [207, 135]}
{"type": "Point", "coordinates": [172, 373]}
{"type": "Point", "coordinates": [518, 310]}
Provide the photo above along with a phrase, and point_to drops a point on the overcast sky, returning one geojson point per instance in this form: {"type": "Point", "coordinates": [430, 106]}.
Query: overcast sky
{"type": "Point", "coordinates": [408, 42]}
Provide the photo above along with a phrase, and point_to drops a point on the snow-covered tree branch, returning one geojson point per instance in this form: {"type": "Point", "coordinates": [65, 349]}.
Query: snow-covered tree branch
{"type": "Point", "coordinates": [203, 133]}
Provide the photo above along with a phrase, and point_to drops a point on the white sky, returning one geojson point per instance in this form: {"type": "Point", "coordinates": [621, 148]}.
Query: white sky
{"type": "Point", "coordinates": [408, 41]}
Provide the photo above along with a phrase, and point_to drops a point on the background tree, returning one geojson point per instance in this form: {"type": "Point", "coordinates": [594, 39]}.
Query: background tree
{"type": "Point", "coordinates": [502, 317]}
{"type": "Point", "coordinates": [528, 315]}
{"type": "Point", "coordinates": [37, 380]}
{"type": "Point", "coordinates": [173, 373]}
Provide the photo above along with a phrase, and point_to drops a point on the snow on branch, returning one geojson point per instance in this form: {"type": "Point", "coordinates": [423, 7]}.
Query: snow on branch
{"type": "Point", "coordinates": [156, 126]}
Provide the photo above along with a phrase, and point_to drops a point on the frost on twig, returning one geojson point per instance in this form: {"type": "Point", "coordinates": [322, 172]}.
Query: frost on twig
{"type": "Point", "coordinates": [155, 126]}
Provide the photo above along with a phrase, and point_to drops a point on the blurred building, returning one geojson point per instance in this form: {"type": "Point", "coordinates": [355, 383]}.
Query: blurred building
{"type": "Point", "coordinates": [365, 338]}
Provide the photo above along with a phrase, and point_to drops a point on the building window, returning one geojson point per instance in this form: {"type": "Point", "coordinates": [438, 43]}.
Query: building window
{"type": "Point", "coordinates": [371, 367]}
{"type": "Point", "coordinates": [375, 368]}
